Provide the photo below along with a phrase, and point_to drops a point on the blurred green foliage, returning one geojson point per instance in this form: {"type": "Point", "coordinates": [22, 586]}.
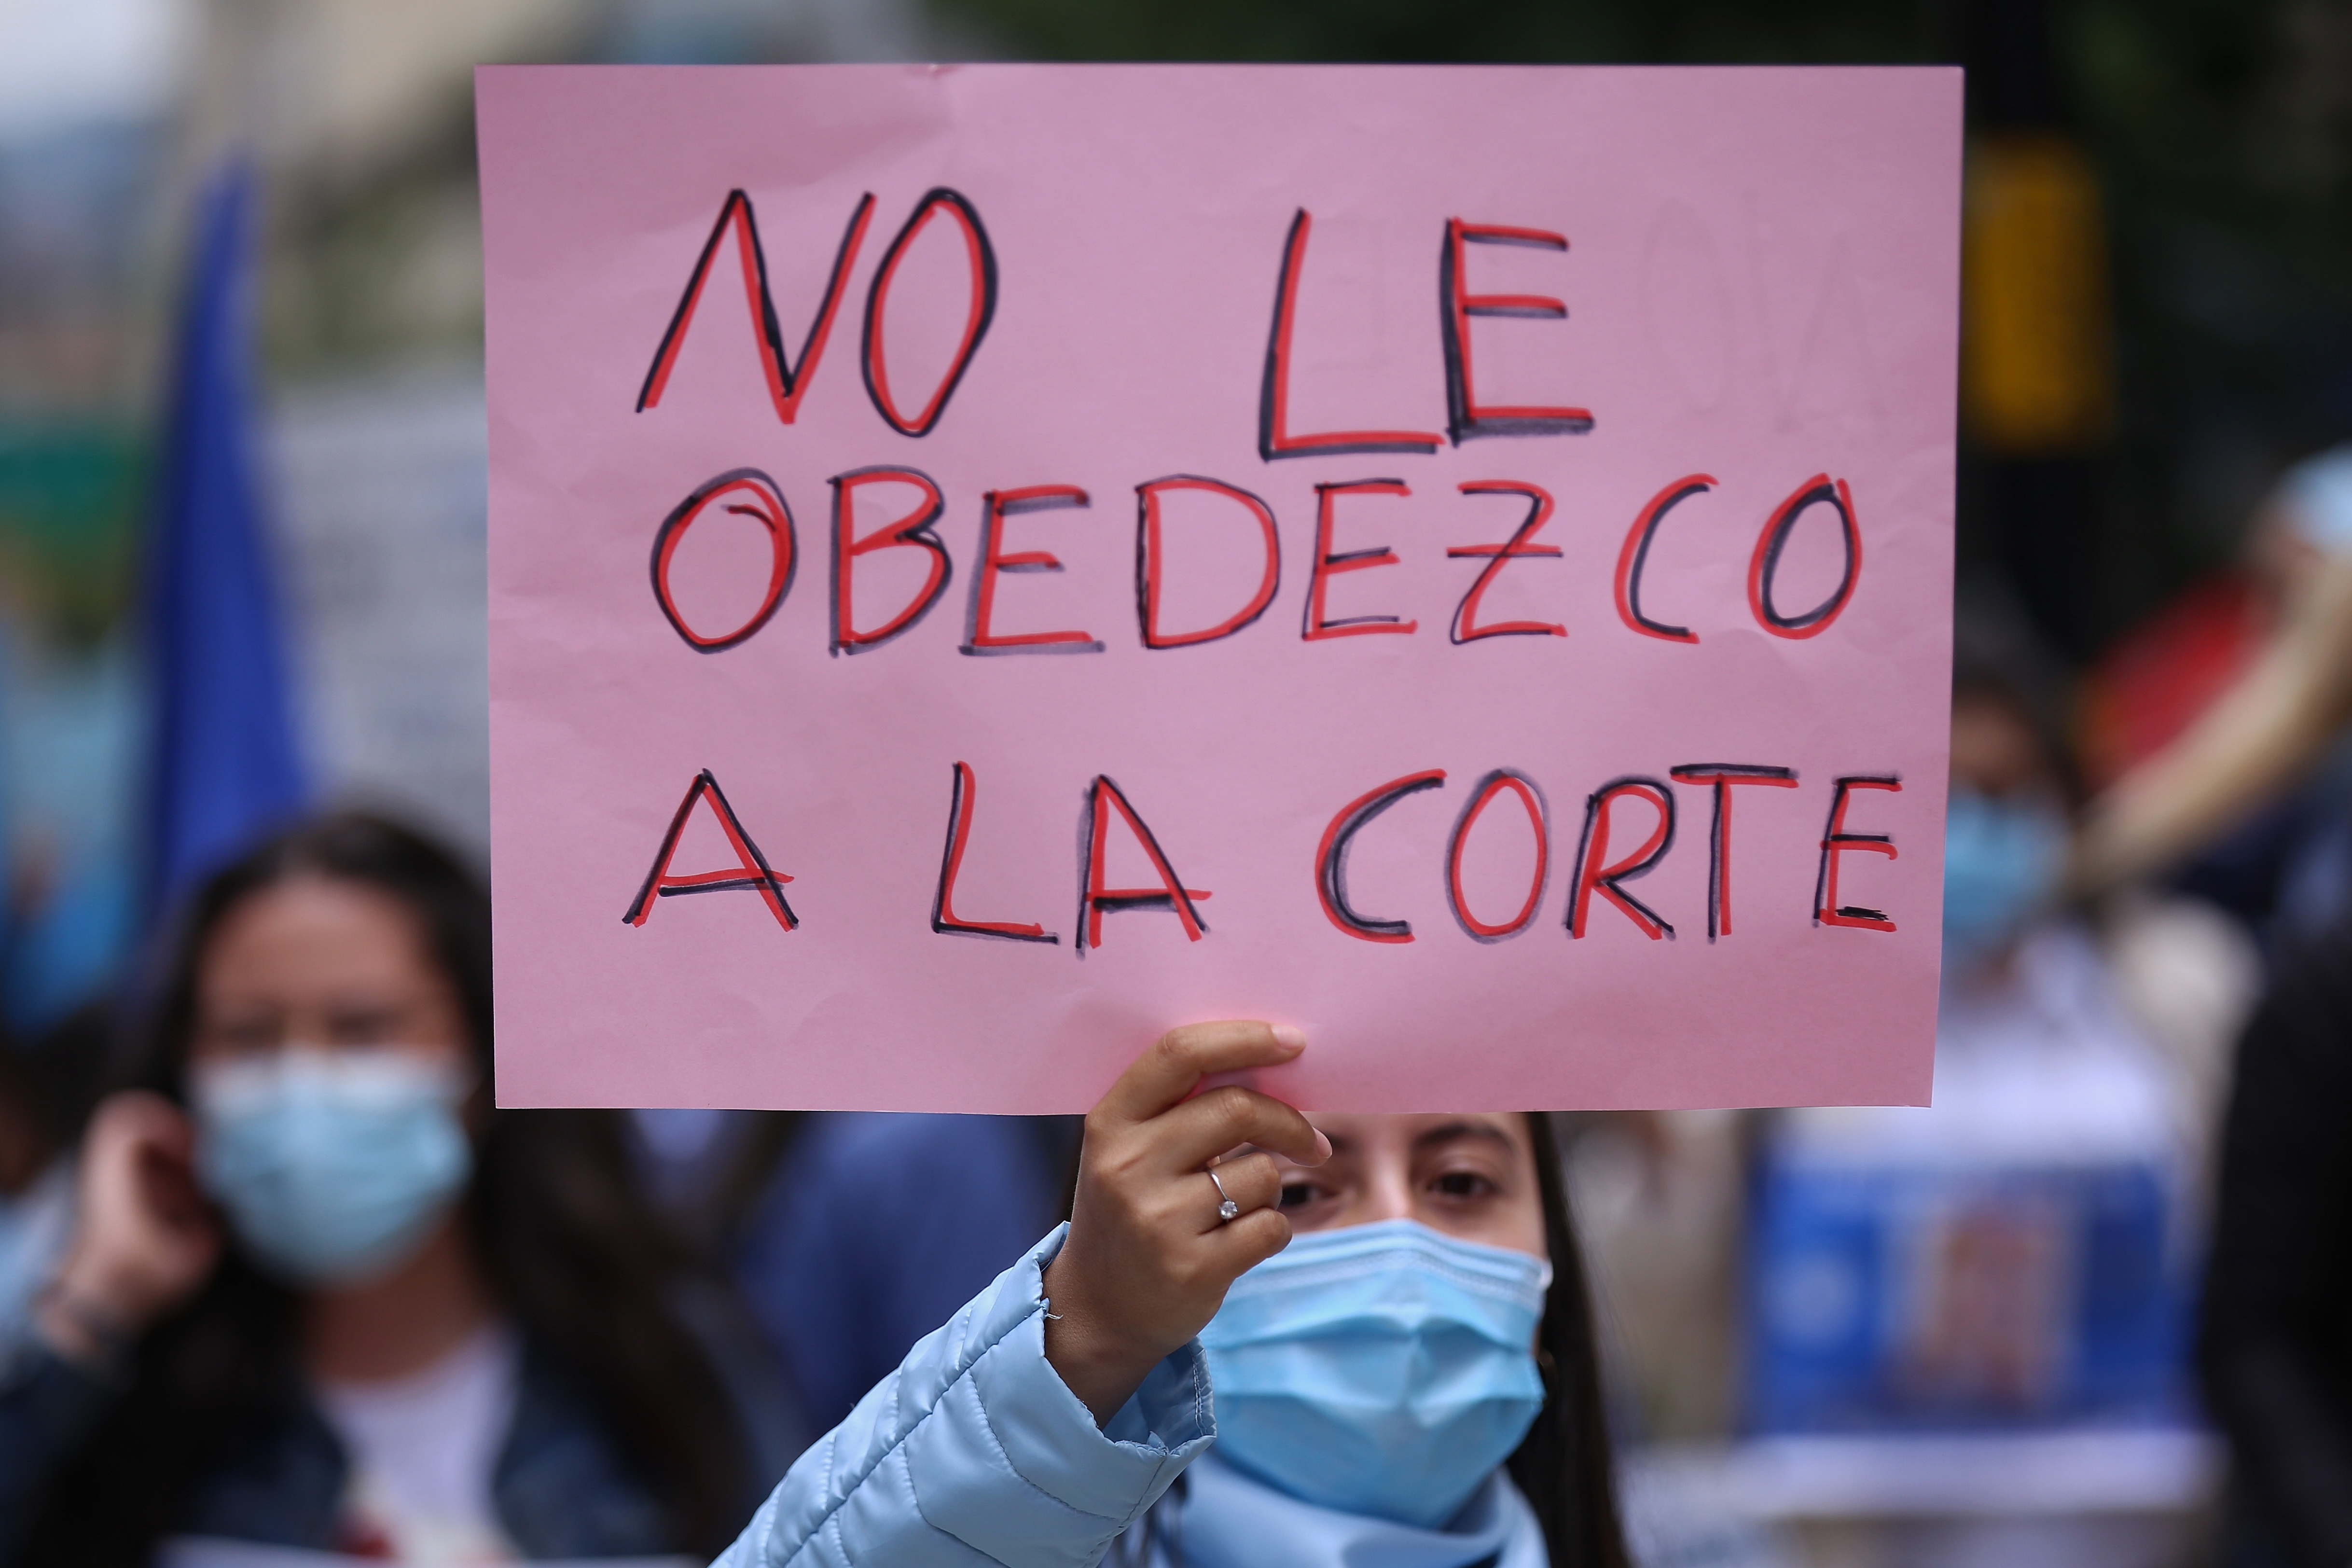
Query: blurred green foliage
{"type": "Point", "coordinates": [1532, 31]}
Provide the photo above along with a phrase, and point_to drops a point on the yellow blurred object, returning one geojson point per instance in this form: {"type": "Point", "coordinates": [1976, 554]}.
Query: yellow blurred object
{"type": "Point", "coordinates": [2036, 371]}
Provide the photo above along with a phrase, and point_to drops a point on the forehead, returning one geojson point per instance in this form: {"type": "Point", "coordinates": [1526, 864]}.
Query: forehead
{"type": "Point", "coordinates": [1503, 1133]}
{"type": "Point", "coordinates": [310, 934]}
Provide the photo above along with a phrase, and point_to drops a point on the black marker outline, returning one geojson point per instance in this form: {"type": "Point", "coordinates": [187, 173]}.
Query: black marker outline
{"type": "Point", "coordinates": [1491, 786]}
{"type": "Point", "coordinates": [1633, 558]}
{"type": "Point", "coordinates": [1464, 421]}
{"type": "Point", "coordinates": [769, 882]}
{"type": "Point", "coordinates": [1147, 559]}
{"type": "Point", "coordinates": [1274, 438]}
{"type": "Point", "coordinates": [1765, 564]}
{"type": "Point", "coordinates": [921, 533]}
{"type": "Point", "coordinates": [783, 377]}
{"type": "Point", "coordinates": [944, 919]}
{"type": "Point", "coordinates": [1093, 906]}
{"type": "Point", "coordinates": [995, 506]}
{"type": "Point", "coordinates": [1338, 840]}
{"type": "Point", "coordinates": [1720, 777]}
{"type": "Point", "coordinates": [1661, 794]}
{"type": "Point", "coordinates": [672, 532]}
{"type": "Point", "coordinates": [1515, 548]}
{"type": "Point", "coordinates": [976, 325]}
{"type": "Point", "coordinates": [1835, 838]}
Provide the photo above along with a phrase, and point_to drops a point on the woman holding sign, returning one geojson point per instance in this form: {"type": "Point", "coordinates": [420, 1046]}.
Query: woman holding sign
{"type": "Point", "coordinates": [1260, 1340]}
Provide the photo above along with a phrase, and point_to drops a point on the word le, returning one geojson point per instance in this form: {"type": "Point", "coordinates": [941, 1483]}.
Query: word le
{"type": "Point", "coordinates": [1602, 866]}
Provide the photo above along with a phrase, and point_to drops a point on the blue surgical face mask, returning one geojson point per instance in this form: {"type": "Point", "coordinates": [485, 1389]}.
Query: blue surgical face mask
{"type": "Point", "coordinates": [2001, 860]}
{"type": "Point", "coordinates": [334, 1166]}
{"type": "Point", "coordinates": [1380, 1369]}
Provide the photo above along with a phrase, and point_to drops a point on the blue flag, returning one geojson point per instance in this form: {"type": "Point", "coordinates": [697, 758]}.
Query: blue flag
{"type": "Point", "coordinates": [226, 768]}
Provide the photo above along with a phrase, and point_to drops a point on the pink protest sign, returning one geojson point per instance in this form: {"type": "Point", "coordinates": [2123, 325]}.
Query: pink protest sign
{"type": "Point", "coordinates": [988, 563]}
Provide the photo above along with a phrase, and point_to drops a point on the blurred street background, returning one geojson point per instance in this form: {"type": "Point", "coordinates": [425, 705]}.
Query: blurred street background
{"type": "Point", "coordinates": [1840, 1338]}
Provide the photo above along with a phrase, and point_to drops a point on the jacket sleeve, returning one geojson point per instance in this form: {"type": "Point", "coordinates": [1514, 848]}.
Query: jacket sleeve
{"type": "Point", "coordinates": [2277, 1342]}
{"type": "Point", "coordinates": [48, 1406]}
{"type": "Point", "coordinates": [975, 1453]}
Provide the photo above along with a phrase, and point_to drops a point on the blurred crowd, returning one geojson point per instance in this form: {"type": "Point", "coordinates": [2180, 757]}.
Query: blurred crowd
{"type": "Point", "coordinates": [267, 1247]}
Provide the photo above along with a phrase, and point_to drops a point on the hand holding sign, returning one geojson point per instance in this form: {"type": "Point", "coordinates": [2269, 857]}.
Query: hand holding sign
{"type": "Point", "coordinates": [1149, 1255]}
{"type": "Point", "coordinates": [1374, 548]}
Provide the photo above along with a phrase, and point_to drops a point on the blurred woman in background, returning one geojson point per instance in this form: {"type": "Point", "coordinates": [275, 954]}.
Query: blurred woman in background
{"type": "Point", "coordinates": [322, 1295]}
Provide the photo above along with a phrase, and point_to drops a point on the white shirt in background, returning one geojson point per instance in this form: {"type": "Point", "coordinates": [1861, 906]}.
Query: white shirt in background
{"type": "Point", "coordinates": [424, 1450]}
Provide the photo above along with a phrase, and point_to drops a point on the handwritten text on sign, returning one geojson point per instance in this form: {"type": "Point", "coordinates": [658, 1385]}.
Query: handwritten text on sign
{"type": "Point", "coordinates": [1458, 560]}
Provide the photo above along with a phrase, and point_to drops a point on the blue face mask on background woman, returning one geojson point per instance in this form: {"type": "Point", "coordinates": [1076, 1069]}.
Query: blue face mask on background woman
{"type": "Point", "coordinates": [1380, 1369]}
{"type": "Point", "coordinates": [2001, 860]}
{"type": "Point", "coordinates": [333, 1165]}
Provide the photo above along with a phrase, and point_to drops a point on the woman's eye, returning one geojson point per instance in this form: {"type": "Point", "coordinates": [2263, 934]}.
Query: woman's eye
{"type": "Point", "coordinates": [1296, 1195]}
{"type": "Point", "coordinates": [1464, 1185]}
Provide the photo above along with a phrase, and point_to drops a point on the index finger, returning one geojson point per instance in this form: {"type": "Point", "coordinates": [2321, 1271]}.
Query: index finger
{"type": "Point", "coordinates": [1176, 1063]}
{"type": "Point", "coordinates": [139, 1116]}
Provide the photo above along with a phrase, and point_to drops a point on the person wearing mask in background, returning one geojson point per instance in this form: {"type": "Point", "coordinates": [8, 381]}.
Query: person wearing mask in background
{"type": "Point", "coordinates": [321, 1295]}
{"type": "Point", "coordinates": [1261, 1339]}
{"type": "Point", "coordinates": [2276, 1342]}
{"type": "Point", "coordinates": [2253, 802]}
{"type": "Point", "coordinates": [2013, 1256]}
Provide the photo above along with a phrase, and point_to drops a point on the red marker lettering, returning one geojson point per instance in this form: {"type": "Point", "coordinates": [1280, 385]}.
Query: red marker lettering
{"type": "Point", "coordinates": [1148, 555]}
{"type": "Point", "coordinates": [1465, 416]}
{"type": "Point", "coordinates": [1595, 873]}
{"type": "Point", "coordinates": [1520, 546]}
{"type": "Point", "coordinates": [1538, 818]}
{"type": "Point", "coordinates": [1103, 799]}
{"type": "Point", "coordinates": [1635, 556]}
{"type": "Point", "coordinates": [911, 532]}
{"type": "Point", "coordinates": [944, 919]}
{"type": "Point", "coordinates": [1818, 490]}
{"type": "Point", "coordinates": [980, 635]}
{"type": "Point", "coordinates": [1722, 777]}
{"type": "Point", "coordinates": [980, 257]}
{"type": "Point", "coordinates": [753, 871]}
{"type": "Point", "coordinates": [1331, 856]}
{"type": "Point", "coordinates": [1274, 438]}
{"type": "Point", "coordinates": [1316, 626]}
{"type": "Point", "coordinates": [744, 492]}
{"type": "Point", "coordinates": [1835, 842]}
{"type": "Point", "coordinates": [786, 382]}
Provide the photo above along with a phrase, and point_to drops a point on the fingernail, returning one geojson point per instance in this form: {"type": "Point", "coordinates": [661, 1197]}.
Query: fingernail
{"type": "Point", "coordinates": [1290, 1035]}
{"type": "Point", "coordinates": [1323, 1143]}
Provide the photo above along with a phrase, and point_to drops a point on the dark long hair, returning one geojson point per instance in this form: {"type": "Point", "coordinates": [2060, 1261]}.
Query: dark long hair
{"type": "Point", "coordinates": [1565, 1464]}
{"type": "Point", "coordinates": [569, 1250]}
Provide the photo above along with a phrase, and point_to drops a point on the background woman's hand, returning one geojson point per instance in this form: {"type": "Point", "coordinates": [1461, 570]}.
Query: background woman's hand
{"type": "Point", "coordinates": [144, 1238]}
{"type": "Point", "coordinates": [1147, 1261]}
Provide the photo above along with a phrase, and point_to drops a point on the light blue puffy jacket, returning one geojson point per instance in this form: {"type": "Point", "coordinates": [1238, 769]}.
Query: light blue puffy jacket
{"type": "Point", "coordinates": [974, 1453]}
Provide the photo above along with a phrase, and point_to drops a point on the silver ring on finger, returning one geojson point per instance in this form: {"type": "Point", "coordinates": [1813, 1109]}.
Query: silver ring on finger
{"type": "Point", "coordinates": [1227, 1210]}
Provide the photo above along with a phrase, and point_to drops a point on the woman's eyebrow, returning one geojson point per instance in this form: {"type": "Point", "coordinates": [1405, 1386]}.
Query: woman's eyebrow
{"type": "Point", "coordinates": [1454, 1131]}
